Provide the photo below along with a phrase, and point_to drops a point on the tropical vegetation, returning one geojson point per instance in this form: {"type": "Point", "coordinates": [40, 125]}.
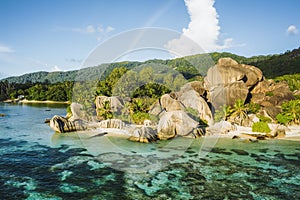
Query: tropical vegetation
{"type": "Point", "coordinates": [290, 113]}
{"type": "Point", "coordinates": [261, 127]}
{"type": "Point", "coordinates": [238, 113]}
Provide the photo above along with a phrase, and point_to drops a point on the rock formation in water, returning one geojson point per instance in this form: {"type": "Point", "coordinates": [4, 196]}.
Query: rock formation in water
{"type": "Point", "coordinates": [63, 125]}
{"type": "Point", "coordinates": [180, 113]}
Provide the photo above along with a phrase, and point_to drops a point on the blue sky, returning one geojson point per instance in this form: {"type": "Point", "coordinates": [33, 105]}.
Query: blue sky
{"type": "Point", "coordinates": [47, 35]}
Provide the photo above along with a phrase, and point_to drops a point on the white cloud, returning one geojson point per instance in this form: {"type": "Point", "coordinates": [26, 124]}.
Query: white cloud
{"type": "Point", "coordinates": [90, 29]}
{"type": "Point", "coordinates": [5, 49]}
{"type": "Point", "coordinates": [109, 29]}
{"type": "Point", "coordinates": [292, 30]}
{"type": "Point", "coordinates": [99, 32]}
{"type": "Point", "coordinates": [203, 29]}
{"type": "Point", "coordinates": [55, 68]}
{"type": "Point", "coordinates": [100, 29]}
{"type": "Point", "coordinates": [105, 30]}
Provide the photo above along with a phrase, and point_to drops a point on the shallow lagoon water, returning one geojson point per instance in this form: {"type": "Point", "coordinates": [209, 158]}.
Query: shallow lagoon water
{"type": "Point", "coordinates": [36, 163]}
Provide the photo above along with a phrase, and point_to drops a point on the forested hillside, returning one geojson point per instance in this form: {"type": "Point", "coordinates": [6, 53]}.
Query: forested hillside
{"type": "Point", "coordinates": [58, 85]}
{"type": "Point", "coordinates": [41, 77]}
{"type": "Point", "coordinates": [190, 66]}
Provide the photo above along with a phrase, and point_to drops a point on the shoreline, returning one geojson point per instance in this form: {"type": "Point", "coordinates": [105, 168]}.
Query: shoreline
{"type": "Point", "coordinates": [292, 134]}
{"type": "Point", "coordinates": [44, 102]}
{"type": "Point", "coordinates": [25, 101]}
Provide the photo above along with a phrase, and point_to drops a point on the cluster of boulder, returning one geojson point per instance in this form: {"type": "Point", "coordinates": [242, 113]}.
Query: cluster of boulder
{"type": "Point", "coordinates": [180, 113]}
{"type": "Point", "coordinates": [229, 81]}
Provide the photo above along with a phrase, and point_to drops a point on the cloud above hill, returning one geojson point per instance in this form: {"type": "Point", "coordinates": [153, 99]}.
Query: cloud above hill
{"type": "Point", "coordinates": [203, 30]}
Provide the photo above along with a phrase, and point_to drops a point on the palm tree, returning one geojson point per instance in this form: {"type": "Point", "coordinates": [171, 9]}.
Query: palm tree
{"type": "Point", "coordinates": [239, 113]}
{"type": "Point", "coordinates": [292, 109]}
{"type": "Point", "coordinates": [105, 111]}
{"type": "Point", "coordinates": [227, 111]}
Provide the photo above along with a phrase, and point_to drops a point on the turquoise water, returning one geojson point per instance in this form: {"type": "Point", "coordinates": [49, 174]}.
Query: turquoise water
{"type": "Point", "coordinates": [36, 163]}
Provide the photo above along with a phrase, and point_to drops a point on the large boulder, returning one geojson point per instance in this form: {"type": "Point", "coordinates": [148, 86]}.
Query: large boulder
{"type": "Point", "coordinates": [116, 103]}
{"type": "Point", "coordinates": [229, 81]}
{"type": "Point", "coordinates": [268, 93]}
{"type": "Point", "coordinates": [228, 71]}
{"type": "Point", "coordinates": [281, 93]}
{"type": "Point", "coordinates": [77, 111]}
{"type": "Point", "coordinates": [192, 99]}
{"type": "Point", "coordinates": [259, 98]}
{"type": "Point", "coordinates": [228, 95]}
{"type": "Point", "coordinates": [223, 73]}
{"type": "Point", "coordinates": [176, 123]}
{"type": "Point", "coordinates": [270, 111]}
{"type": "Point", "coordinates": [144, 135]}
{"type": "Point", "coordinates": [197, 86]}
{"type": "Point", "coordinates": [156, 109]}
{"type": "Point", "coordinates": [62, 125]}
{"type": "Point", "coordinates": [170, 104]}
{"type": "Point", "coordinates": [253, 75]}
{"type": "Point", "coordinates": [262, 87]}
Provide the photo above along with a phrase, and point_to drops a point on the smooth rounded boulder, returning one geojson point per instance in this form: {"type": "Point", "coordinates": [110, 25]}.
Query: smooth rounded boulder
{"type": "Point", "coordinates": [62, 125]}
{"type": "Point", "coordinates": [192, 99]}
{"type": "Point", "coordinates": [229, 81]}
{"type": "Point", "coordinates": [170, 104]}
{"type": "Point", "coordinates": [176, 123]}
